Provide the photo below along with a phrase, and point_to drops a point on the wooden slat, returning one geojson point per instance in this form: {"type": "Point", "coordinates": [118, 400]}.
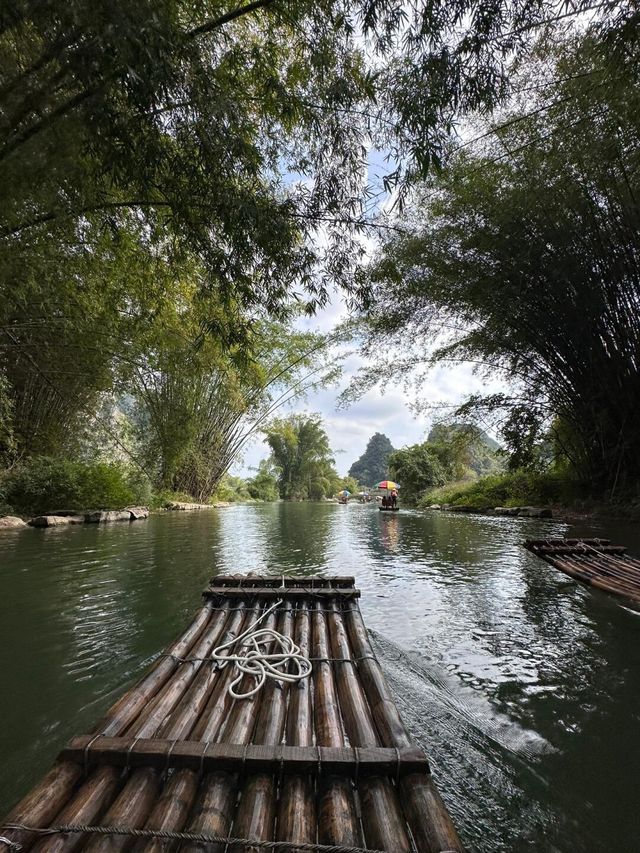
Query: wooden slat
{"type": "Point", "coordinates": [251, 758]}
{"type": "Point", "coordinates": [311, 582]}
{"type": "Point", "coordinates": [561, 550]}
{"type": "Point", "coordinates": [291, 593]}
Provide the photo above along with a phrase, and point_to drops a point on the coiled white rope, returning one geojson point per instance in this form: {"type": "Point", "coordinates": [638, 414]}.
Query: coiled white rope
{"type": "Point", "coordinates": [252, 658]}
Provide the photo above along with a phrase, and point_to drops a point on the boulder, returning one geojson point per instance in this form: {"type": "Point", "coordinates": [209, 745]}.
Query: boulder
{"type": "Point", "coordinates": [62, 512]}
{"type": "Point", "coordinates": [506, 510]}
{"type": "Point", "coordinates": [102, 516]}
{"type": "Point", "coordinates": [11, 522]}
{"type": "Point", "coordinates": [183, 507]}
{"type": "Point", "coordinates": [56, 520]}
{"type": "Point", "coordinates": [136, 512]}
{"type": "Point", "coordinates": [535, 512]}
{"type": "Point", "coordinates": [434, 506]}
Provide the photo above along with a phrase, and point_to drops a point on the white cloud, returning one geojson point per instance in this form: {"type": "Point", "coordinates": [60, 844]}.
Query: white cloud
{"type": "Point", "coordinates": [349, 430]}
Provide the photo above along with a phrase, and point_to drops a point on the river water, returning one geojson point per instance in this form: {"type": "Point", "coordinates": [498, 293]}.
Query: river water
{"type": "Point", "coordinates": [522, 686]}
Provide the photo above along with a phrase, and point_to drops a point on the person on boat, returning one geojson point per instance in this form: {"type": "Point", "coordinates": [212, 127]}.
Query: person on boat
{"type": "Point", "coordinates": [394, 498]}
{"type": "Point", "coordinates": [384, 502]}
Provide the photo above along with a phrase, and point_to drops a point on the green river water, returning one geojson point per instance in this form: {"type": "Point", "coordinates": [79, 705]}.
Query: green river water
{"type": "Point", "coordinates": [523, 687]}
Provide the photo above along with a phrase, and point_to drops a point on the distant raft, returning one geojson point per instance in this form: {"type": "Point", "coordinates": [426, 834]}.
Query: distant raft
{"type": "Point", "coordinates": [321, 762]}
{"type": "Point", "coordinates": [595, 562]}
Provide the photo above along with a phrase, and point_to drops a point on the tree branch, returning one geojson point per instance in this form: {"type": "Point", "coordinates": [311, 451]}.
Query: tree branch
{"type": "Point", "coordinates": [239, 12]}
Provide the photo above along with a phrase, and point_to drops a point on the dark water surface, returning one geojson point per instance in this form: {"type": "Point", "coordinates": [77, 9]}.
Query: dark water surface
{"type": "Point", "coordinates": [523, 687]}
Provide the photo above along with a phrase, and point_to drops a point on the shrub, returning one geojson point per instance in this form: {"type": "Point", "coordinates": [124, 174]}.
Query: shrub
{"type": "Point", "coordinates": [43, 484]}
{"type": "Point", "coordinates": [231, 489]}
{"type": "Point", "coordinates": [513, 489]}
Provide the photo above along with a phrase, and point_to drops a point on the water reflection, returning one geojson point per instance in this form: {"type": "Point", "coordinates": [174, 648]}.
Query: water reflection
{"type": "Point", "coordinates": [524, 686]}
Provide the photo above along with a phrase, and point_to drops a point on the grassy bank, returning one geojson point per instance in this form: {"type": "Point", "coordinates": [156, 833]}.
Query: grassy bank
{"type": "Point", "coordinates": [524, 488]}
{"type": "Point", "coordinates": [514, 489]}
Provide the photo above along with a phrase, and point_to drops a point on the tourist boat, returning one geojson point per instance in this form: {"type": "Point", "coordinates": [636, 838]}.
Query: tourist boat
{"type": "Point", "coordinates": [316, 755]}
{"type": "Point", "coordinates": [388, 486]}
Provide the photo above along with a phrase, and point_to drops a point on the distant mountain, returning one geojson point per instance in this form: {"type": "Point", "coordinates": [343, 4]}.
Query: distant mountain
{"type": "Point", "coordinates": [371, 467]}
{"type": "Point", "coordinates": [479, 454]}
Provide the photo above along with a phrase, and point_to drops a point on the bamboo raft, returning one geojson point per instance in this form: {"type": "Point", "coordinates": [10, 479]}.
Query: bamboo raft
{"type": "Point", "coordinates": [323, 764]}
{"type": "Point", "coordinates": [595, 562]}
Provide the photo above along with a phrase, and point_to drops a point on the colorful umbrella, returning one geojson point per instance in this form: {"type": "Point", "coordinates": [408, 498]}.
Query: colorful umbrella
{"type": "Point", "coordinates": [388, 484]}
{"type": "Point", "coordinates": [344, 493]}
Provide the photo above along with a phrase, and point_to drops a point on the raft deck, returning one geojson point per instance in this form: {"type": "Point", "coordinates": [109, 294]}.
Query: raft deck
{"type": "Point", "coordinates": [595, 562]}
{"type": "Point", "coordinates": [323, 761]}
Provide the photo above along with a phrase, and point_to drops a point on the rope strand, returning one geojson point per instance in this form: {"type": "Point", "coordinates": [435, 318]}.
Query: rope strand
{"type": "Point", "coordinates": [202, 837]}
{"type": "Point", "coordinates": [253, 658]}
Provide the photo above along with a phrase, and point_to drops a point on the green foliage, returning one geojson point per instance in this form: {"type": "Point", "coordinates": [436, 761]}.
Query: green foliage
{"type": "Point", "coordinates": [231, 489]}
{"type": "Point", "coordinates": [263, 486]}
{"type": "Point", "coordinates": [517, 488]}
{"type": "Point", "coordinates": [43, 484]}
{"type": "Point", "coordinates": [416, 468]}
{"type": "Point", "coordinates": [529, 263]}
{"type": "Point", "coordinates": [452, 452]}
{"type": "Point", "coordinates": [350, 484]}
{"type": "Point", "coordinates": [300, 451]}
{"type": "Point", "coordinates": [372, 466]}
{"type": "Point", "coordinates": [188, 116]}
{"type": "Point", "coordinates": [162, 497]}
{"type": "Point", "coordinates": [464, 450]}
{"type": "Point", "coordinates": [198, 403]}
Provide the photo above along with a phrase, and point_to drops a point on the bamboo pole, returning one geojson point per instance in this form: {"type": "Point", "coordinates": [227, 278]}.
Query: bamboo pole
{"type": "Point", "coordinates": [180, 722]}
{"type": "Point", "coordinates": [231, 721]}
{"type": "Point", "coordinates": [127, 708]}
{"type": "Point", "coordinates": [337, 818]}
{"type": "Point", "coordinates": [296, 809]}
{"type": "Point", "coordinates": [431, 826]}
{"type": "Point", "coordinates": [178, 797]}
{"type": "Point", "coordinates": [384, 824]}
{"type": "Point", "coordinates": [256, 813]}
{"type": "Point", "coordinates": [96, 794]}
{"type": "Point", "coordinates": [51, 797]}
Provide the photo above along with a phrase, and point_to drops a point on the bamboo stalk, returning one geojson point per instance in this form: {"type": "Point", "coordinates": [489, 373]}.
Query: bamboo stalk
{"type": "Point", "coordinates": [96, 794]}
{"type": "Point", "coordinates": [296, 808]}
{"type": "Point", "coordinates": [43, 803]}
{"type": "Point", "coordinates": [183, 785]}
{"type": "Point", "coordinates": [172, 809]}
{"type": "Point", "coordinates": [337, 818]}
{"type": "Point", "coordinates": [384, 824]}
{"type": "Point", "coordinates": [256, 813]}
{"type": "Point", "coordinates": [130, 809]}
{"type": "Point", "coordinates": [52, 795]}
{"type": "Point", "coordinates": [215, 806]}
{"type": "Point", "coordinates": [184, 717]}
{"type": "Point", "coordinates": [126, 709]}
{"type": "Point", "coordinates": [431, 826]}
{"type": "Point", "coordinates": [170, 697]}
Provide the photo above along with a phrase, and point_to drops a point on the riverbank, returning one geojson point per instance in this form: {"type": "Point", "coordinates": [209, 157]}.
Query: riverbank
{"type": "Point", "coordinates": [530, 494]}
{"type": "Point", "coordinates": [61, 518]}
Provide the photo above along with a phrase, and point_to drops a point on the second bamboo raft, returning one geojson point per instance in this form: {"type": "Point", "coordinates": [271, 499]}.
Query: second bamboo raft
{"type": "Point", "coordinates": [324, 761]}
{"type": "Point", "coordinates": [595, 562]}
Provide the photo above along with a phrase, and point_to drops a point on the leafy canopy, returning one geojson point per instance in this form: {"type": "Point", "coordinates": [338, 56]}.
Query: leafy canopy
{"type": "Point", "coordinates": [524, 257]}
{"type": "Point", "coordinates": [301, 452]}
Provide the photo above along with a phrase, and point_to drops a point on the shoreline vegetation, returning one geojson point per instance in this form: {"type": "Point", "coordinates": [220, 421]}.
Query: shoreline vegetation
{"type": "Point", "coordinates": [458, 468]}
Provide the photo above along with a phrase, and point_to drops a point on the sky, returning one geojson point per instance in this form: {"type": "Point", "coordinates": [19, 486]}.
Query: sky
{"type": "Point", "coordinates": [387, 412]}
